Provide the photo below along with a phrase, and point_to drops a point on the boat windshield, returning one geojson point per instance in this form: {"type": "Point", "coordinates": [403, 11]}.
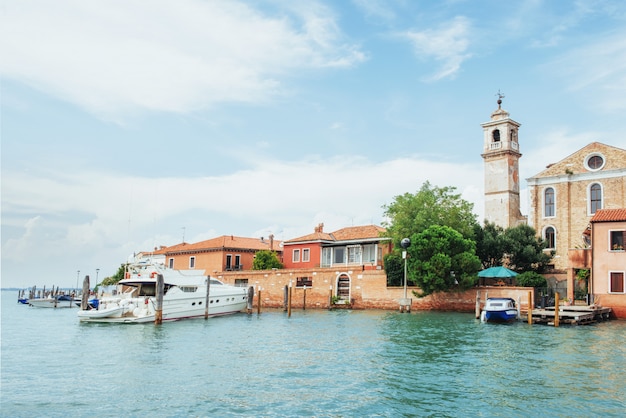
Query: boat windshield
{"type": "Point", "coordinates": [147, 289]}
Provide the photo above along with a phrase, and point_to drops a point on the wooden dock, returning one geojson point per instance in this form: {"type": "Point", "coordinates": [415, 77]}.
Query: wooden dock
{"type": "Point", "coordinates": [572, 315]}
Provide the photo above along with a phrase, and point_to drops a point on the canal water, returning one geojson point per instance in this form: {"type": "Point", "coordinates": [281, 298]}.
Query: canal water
{"type": "Point", "coordinates": [315, 363]}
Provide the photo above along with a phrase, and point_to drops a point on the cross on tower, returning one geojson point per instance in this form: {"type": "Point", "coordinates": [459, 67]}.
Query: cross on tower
{"type": "Point", "coordinates": [500, 97]}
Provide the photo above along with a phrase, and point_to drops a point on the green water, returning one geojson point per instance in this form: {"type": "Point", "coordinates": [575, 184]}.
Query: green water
{"type": "Point", "coordinates": [313, 364]}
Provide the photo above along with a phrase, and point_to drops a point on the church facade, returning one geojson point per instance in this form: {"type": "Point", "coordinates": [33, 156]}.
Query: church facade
{"type": "Point", "coordinates": [567, 194]}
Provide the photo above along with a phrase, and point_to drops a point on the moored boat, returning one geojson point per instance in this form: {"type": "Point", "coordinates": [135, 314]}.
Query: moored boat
{"type": "Point", "coordinates": [59, 301]}
{"type": "Point", "coordinates": [499, 310]}
{"type": "Point", "coordinates": [185, 295]}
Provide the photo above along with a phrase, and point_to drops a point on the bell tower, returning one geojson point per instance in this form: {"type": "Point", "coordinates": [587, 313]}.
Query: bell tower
{"type": "Point", "coordinates": [501, 154]}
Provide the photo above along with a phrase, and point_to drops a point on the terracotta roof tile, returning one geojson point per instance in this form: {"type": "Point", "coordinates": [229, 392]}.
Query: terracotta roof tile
{"type": "Point", "coordinates": [609, 215]}
{"type": "Point", "coordinates": [344, 234]}
{"type": "Point", "coordinates": [315, 236]}
{"type": "Point", "coordinates": [225, 241]}
{"type": "Point", "coordinates": [358, 232]}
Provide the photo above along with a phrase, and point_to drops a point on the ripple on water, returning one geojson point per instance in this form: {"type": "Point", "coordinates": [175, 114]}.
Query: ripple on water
{"type": "Point", "coordinates": [316, 363]}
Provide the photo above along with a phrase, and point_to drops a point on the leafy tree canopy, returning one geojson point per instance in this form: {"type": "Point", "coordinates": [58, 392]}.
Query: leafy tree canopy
{"type": "Point", "coordinates": [394, 268]}
{"type": "Point", "coordinates": [119, 275]}
{"type": "Point", "coordinates": [524, 250]}
{"type": "Point", "coordinates": [489, 244]}
{"type": "Point", "coordinates": [266, 260]}
{"type": "Point", "coordinates": [441, 259]}
{"type": "Point", "coordinates": [517, 247]}
{"type": "Point", "coordinates": [411, 214]}
{"type": "Point", "coordinates": [531, 279]}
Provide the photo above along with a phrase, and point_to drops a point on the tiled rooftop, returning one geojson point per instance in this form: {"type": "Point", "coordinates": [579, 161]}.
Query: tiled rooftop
{"type": "Point", "coordinates": [343, 234]}
{"type": "Point", "coordinates": [609, 215]}
{"type": "Point", "coordinates": [225, 241]}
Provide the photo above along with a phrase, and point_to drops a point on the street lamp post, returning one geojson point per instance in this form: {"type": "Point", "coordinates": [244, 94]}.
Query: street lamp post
{"type": "Point", "coordinates": [96, 283]}
{"type": "Point", "coordinates": [405, 303]}
{"type": "Point", "coordinates": [77, 276]}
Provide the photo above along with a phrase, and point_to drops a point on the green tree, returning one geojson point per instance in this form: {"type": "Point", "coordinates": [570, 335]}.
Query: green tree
{"type": "Point", "coordinates": [394, 267]}
{"type": "Point", "coordinates": [119, 275]}
{"type": "Point", "coordinates": [524, 250]}
{"type": "Point", "coordinates": [410, 213]}
{"type": "Point", "coordinates": [531, 279]}
{"type": "Point", "coordinates": [441, 259]}
{"type": "Point", "coordinates": [489, 244]}
{"type": "Point", "coordinates": [266, 260]}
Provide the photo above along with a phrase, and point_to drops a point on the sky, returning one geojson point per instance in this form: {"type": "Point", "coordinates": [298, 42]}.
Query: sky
{"type": "Point", "coordinates": [130, 124]}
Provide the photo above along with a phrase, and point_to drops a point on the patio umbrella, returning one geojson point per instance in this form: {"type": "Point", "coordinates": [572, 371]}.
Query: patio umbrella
{"type": "Point", "coordinates": [498, 272]}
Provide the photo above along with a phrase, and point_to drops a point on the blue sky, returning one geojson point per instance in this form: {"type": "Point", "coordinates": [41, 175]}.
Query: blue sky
{"type": "Point", "coordinates": [131, 124]}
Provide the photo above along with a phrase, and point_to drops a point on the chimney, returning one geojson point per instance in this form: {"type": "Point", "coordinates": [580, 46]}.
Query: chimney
{"type": "Point", "coordinates": [319, 227]}
{"type": "Point", "coordinates": [271, 242]}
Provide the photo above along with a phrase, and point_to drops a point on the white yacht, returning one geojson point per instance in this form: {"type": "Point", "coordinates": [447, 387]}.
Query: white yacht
{"type": "Point", "coordinates": [185, 296]}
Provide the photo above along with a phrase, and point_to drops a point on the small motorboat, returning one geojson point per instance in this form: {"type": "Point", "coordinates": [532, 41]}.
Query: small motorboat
{"type": "Point", "coordinates": [113, 311]}
{"type": "Point", "coordinates": [499, 310]}
{"type": "Point", "coordinates": [59, 301]}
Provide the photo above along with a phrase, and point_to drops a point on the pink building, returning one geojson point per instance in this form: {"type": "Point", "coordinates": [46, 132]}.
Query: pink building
{"type": "Point", "coordinates": [608, 255]}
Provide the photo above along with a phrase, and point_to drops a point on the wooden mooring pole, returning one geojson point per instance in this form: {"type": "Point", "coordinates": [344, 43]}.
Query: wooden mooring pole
{"type": "Point", "coordinates": [84, 301]}
{"type": "Point", "coordinates": [258, 302]}
{"type": "Point", "coordinates": [556, 309]}
{"type": "Point", "coordinates": [289, 302]}
{"type": "Point", "coordinates": [158, 310]}
{"type": "Point", "coordinates": [530, 307]}
{"type": "Point", "coordinates": [207, 299]}
{"type": "Point", "coordinates": [477, 310]}
{"type": "Point", "coordinates": [285, 298]}
{"type": "Point", "coordinates": [330, 298]}
{"type": "Point", "coordinates": [304, 298]}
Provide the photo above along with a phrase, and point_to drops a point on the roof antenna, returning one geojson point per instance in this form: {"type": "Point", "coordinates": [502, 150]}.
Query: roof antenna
{"type": "Point", "coordinates": [183, 228]}
{"type": "Point", "coordinates": [500, 97]}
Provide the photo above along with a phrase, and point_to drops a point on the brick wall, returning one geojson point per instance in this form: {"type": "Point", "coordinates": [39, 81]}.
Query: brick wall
{"type": "Point", "coordinates": [368, 290]}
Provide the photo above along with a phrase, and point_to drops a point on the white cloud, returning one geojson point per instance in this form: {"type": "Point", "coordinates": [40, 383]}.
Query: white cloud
{"type": "Point", "coordinates": [345, 191]}
{"type": "Point", "coordinates": [116, 57]}
{"type": "Point", "coordinates": [448, 44]}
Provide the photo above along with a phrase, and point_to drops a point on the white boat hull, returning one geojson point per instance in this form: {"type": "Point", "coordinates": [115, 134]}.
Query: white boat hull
{"type": "Point", "coordinates": [499, 310]}
{"type": "Point", "coordinates": [52, 303]}
{"type": "Point", "coordinates": [185, 297]}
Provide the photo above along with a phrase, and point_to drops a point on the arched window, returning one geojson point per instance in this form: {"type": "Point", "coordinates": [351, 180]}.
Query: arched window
{"type": "Point", "coordinates": [595, 198]}
{"type": "Point", "coordinates": [549, 234]}
{"type": "Point", "coordinates": [548, 202]}
{"type": "Point", "coordinates": [496, 135]}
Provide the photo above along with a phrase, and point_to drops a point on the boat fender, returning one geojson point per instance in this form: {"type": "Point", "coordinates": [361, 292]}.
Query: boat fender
{"type": "Point", "coordinates": [146, 301]}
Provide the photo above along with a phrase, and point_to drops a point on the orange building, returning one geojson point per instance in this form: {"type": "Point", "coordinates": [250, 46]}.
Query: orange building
{"type": "Point", "coordinates": [225, 253]}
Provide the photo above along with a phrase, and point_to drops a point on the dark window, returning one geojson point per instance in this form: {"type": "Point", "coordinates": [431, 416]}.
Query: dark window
{"type": "Point", "coordinates": [617, 240]}
{"type": "Point", "coordinates": [496, 135]}
{"type": "Point", "coordinates": [241, 282]}
{"type": "Point", "coordinates": [340, 253]}
{"type": "Point", "coordinates": [550, 237]}
{"type": "Point", "coordinates": [171, 263]}
{"type": "Point", "coordinates": [617, 282]}
{"type": "Point", "coordinates": [192, 262]}
{"type": "Point", "coordinates": [304, 281]}
{"type": "Point", "coordinates": [595, 198]}
{"type": "Point", "coordinates": [548, 202]}
{"type": "Point", "coordinates": [229, 262]}
{"type": "Point", "coordinates": [595, 162]}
